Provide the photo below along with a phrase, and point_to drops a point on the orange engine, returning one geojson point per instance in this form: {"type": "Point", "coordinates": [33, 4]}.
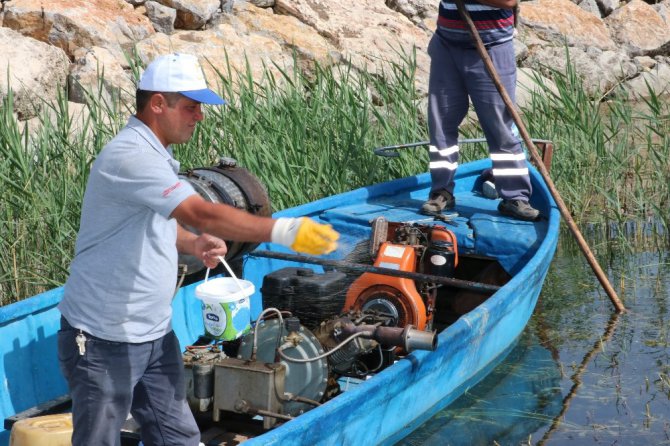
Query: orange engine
{"type": "Point", "coordinates": [414, 249]}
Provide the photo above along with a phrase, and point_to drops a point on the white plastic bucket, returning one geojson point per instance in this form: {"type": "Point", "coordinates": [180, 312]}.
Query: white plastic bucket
{"type": "Point", "coordinates": [226, 310]}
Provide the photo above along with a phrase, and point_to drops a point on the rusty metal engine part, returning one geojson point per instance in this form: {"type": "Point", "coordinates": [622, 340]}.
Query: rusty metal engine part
{"type": "Point", "coordinates": [360, 339]}
{"type": "Point", "coordinates": [198, 375]}
{"type": "Point", "coordinates": [250, 387]}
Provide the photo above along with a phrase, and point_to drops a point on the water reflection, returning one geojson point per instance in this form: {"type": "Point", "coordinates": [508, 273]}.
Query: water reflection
{"type": "Point", "coordinates": [519, 396]}
{"type": "Point", "coordinates": [576, 377]}
{"type": "Point", "coordinates": [579, 375]}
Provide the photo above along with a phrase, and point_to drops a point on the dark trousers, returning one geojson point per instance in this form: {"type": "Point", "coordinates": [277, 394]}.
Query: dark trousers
{"type": "Point", "coordinates": [458, 75]}
{"type": "Point", "coordinates": [113, 379]}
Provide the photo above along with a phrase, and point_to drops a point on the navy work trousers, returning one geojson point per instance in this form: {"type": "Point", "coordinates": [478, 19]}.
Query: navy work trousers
{"type": "Point", "coordinates": [112, 379]}
{"type": "Point", "coordinates": [458, 75]}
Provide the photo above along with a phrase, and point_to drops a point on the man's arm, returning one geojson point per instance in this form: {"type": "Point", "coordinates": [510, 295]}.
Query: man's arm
{"type": "Point", "coordinates": [223, 221]}
{"type": "Point", "coordinates": [229, 223]}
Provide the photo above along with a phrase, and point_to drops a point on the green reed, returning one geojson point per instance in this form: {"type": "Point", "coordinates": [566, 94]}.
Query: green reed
{"type": "Point", "coordinates": [42, 179]}
{"type": "Point", "coordinates": [611, 155]}
{"type": "Point", "coordinates": [307, 135]}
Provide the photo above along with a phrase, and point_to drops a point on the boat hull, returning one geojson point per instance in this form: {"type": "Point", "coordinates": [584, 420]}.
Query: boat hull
{"type": "Point", "coordinates": [384, 408]}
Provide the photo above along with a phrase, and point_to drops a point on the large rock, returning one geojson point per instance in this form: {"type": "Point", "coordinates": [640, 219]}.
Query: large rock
{"type": "Point", "coordinates": [639, 29]}
{"type": "Point", "coordinates": [261, 3]}
{"type": "Point", "coordinates": [97, 73]}
{"type": "Point", "coordinates": [162, 17]}
{"type": "Point", "coordinates": [418, 11]}
{"type": "Point", "coordinates": [73, 24]}
{"type": "Point", "coordinates": [590, 6]}
{"type": "Point", "coordinates": [598, 70]}
{"type": "Point", "coordinates": [252, 36]}
{"type": "Point", "coordinates": [663, 9]}
{"type": "Point", "coordinates": [289, 32]}
{"type": "Point", "coordinates": [657, 78]}
{"type": "Point", "coordinates": [607, 6]}
{"type": "Point", "coordinates": [531, 82]}
{"type": "Point", "coordinates": [193, 14]}
{"type": "Point", "coordinates": [36, 71]}
{"type": "Point", "coordinates": [367, 32]}
{"type": "Point", "coordinates": [558, 21]}
{"type": "Point", "coordinates": [78, 116]}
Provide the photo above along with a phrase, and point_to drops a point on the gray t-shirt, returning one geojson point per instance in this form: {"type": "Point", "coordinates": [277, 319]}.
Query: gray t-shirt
{"type": "Point", "coordinates": [124, 272]}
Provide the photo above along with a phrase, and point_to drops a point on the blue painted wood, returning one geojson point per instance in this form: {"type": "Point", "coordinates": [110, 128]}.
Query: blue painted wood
{"type": "Point", "coordinates": [380, 410]}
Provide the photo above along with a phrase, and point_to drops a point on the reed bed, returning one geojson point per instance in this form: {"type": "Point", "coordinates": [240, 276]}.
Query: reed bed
{"type": "Point", "coordinates": [611, 159]}
{"type": "Point", "coordinates": [307, 136]}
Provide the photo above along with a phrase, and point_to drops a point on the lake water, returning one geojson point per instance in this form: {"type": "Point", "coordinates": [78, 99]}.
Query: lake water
{"type": "Point", "coordinates": [579, 374]}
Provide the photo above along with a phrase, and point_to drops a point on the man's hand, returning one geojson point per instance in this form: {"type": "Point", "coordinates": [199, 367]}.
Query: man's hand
{"type": "Point", "coordinates": [208, 249]}
{"type": "Point", "coordinates": [305, 235]}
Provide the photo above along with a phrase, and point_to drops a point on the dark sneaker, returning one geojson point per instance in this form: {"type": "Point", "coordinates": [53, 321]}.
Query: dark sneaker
{"type": "Point", "coordinates": [438, 201]}
{"type": "Point", "coordinates": [518, 209]}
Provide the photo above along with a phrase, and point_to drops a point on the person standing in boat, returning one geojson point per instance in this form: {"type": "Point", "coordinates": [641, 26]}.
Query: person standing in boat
{"type": "Point", "coordinates": [116, 346]}
{"type": "Point", "coordinates": [457, 73]}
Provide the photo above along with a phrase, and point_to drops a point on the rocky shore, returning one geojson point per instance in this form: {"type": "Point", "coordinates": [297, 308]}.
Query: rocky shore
{"type": "Point", "coordinates": [49, 43]}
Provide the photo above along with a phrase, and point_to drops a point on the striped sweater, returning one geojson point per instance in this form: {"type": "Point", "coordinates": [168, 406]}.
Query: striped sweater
{"type": "Point", "coordinates": [495, 25]}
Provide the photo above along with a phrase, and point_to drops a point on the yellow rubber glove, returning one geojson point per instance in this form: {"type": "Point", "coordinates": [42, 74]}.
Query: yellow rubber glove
{"type": "Point", "coordinates": [305, 235]}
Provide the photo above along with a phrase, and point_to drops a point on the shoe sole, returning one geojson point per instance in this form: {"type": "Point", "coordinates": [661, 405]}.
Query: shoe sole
{"type": "Point", "coordinates": [519, 217]}
{"type": "Point", "coordinates": [427, 211]}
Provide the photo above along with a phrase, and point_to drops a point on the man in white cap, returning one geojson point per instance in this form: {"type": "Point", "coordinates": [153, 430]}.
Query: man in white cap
{"type": "Point", "coordinates": [116, 346]}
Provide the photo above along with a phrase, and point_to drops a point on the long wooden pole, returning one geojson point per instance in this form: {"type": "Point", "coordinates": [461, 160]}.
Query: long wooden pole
{"type": "Point", "coordinates": [538, 161]}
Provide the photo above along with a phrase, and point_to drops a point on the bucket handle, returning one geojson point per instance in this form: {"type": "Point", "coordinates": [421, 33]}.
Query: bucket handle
{"type": "Point", "coordinates": [230, 271]}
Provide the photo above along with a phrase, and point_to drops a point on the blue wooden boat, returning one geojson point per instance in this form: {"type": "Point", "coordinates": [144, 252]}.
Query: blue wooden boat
{"type": "Point", "coordinates": [406, 392]}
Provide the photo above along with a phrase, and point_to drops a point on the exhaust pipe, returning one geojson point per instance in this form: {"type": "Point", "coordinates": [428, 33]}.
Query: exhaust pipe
{"type": "Point", "coordinates": [409, 338]}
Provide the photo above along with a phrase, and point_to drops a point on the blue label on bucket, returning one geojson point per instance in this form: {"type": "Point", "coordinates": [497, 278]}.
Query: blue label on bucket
{"type": "Point", "coordinates": [215, 319]}
{"type": "Point", "coordinates": [241, 316]}
{"type": "Point", "coordinates": [228, 320]}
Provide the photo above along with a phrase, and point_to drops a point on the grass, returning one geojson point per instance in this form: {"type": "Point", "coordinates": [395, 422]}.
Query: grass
{"type": "Point", "coordinates": [612, 154]}
{"type": "Point", "coordinates": [309, 136]}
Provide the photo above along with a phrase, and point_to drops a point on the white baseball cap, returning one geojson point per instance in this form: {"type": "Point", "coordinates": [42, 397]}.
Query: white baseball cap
{"type": "Point", "coordinates": [179, 73]}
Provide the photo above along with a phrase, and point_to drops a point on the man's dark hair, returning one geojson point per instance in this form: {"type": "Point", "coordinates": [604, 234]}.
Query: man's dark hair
{"type": "Point", "coordinates": [142, 98]}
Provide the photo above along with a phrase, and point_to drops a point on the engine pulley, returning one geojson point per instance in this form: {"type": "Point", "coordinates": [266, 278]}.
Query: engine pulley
{"type": "Point", "coordinates": [229, 184]}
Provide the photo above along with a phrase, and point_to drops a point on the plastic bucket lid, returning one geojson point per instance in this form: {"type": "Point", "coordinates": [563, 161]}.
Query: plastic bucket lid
{"type": "Point", "coordinates": [224, 289]}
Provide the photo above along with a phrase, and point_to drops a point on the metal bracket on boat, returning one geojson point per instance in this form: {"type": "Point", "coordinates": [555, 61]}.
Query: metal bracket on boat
{"type": "Point", "coordinates": [546, 146]}
{"type": "Point", "coordinates": [446, 218]}
{"type": "Point", "coordinates": [360, 267]}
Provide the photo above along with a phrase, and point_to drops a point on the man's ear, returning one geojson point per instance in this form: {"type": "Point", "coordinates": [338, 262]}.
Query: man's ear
{"type": "Point", "coordinates": [157, 103]}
